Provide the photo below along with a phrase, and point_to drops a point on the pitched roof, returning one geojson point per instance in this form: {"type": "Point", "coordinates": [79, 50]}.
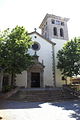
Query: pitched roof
{"type": "Point", "coordinates": [34, 32]}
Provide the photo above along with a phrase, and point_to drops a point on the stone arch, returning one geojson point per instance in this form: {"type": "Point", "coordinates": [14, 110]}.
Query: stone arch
{"type": "Point", "coordinates": [61, 32]}
{"type": "Point", "coordinates": [36, 68]}
{"type": "Point", "coordinates": [55, 31]}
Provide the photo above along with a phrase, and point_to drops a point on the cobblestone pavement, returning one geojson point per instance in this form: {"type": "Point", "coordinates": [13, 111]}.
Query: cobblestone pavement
{"type": "Point", "coordinates": [12, 110]}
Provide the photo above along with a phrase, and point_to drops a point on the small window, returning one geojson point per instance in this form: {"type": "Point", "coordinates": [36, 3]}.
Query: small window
{"type": "Point", "coordinates": [53, 21]}
{"type": "Point", "coordinates": [45, 35]}
{"type": "Point", "coordinates": [62, 23]}
{"type": "Point", "coordinates": [55, 31]}
{"type": "Point", "coordinates": [36, 46]}
{"type": "Point", "coordinates": [61, 32]}
{"type": "Point", "coordinates": [35, 36]}
{"type": "Point", "coordinates": [46, 28]}
{"type": "Point", "coordinates": [58, 22]}
{"type": "Point", "coordinates": [42, 30]}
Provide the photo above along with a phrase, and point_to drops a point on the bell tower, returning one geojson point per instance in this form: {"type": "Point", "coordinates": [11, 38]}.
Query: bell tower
{"type": "Point", "coordinates": [54, 27]}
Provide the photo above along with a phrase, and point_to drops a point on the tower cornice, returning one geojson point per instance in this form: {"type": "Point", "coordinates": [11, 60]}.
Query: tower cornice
{"type": "Point", "coordinates": [54, 17]}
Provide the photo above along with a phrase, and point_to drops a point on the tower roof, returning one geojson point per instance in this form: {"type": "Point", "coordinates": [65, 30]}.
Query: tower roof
{"type": "Point", "coordinates": [54, 17]}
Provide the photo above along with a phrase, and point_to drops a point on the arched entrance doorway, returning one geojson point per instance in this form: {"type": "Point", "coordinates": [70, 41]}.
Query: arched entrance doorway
{"type": "Point", "coordinates": [35, 76]}
{"type": "Point", "coordinates": [35, 79]}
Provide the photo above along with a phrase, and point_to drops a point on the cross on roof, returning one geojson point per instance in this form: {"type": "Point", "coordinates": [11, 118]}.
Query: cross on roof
{"type": "Point", "coordinates": [35, 29]}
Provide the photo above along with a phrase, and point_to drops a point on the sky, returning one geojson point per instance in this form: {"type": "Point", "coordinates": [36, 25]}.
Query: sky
{"type": "Point", "coordinates": [30, 13]}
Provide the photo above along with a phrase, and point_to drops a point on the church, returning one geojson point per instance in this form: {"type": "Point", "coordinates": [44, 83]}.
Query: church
{"type": "Point", "coordinates": [44, 73]}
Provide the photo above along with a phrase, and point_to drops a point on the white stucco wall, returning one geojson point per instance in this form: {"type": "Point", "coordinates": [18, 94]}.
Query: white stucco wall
{"type": "Point", "coordinates": [45, 54]}
{"type": "Point", "coordinates": [21, 79]}
{"type": "Point", "coordinates": [58, 46]}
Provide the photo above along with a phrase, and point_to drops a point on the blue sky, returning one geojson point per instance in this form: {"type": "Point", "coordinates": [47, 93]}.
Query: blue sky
{"type": "Point", "coordinates": [30, 13]}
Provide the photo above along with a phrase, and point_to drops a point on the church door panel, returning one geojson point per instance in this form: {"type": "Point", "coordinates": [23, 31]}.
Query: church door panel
{"type": "Point", "coordinates": [35, 79]}
{"type": "Point", "coordinates": [5, 80]}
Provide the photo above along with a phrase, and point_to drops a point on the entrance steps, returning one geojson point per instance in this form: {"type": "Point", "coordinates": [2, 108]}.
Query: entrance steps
{"type": "Point", "coordinates": [41, 95]}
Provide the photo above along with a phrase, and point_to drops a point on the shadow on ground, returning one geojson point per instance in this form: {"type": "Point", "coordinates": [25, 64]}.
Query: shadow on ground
{"type": "Point", "coordinates": [70, 105]}
{"type": "Point", "coordinates": [73, 107]}
{"type": "Point", "coordinates": [18, 105]}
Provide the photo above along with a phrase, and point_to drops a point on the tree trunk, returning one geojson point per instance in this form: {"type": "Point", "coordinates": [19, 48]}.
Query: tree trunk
{"type": "Point", "coordinates": [66, 81]}
{"type": "Point", "coordinates": [1, 80]}
{"type": "Point", "coordinates": [12, 79]}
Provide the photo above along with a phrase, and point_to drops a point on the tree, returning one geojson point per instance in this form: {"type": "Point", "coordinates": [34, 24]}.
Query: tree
{"type": "Point", "coordinates": [68, 58]}
{"type": "Point", "coordinates": [14, 45]}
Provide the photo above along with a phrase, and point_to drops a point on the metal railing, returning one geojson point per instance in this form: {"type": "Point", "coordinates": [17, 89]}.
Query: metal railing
{"type": "Point", "coordinates": [72, 90]}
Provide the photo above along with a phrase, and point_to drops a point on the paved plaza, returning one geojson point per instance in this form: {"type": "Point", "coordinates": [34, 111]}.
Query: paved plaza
{"type": "Point", "coordinates": [13, 110]}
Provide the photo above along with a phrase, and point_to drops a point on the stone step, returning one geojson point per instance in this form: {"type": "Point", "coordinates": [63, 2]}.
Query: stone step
{"type": "Point", "coordinates": [37, 95]}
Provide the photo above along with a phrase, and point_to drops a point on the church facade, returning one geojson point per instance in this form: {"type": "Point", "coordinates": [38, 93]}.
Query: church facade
{"type": "Point", "coordinates": [40, 74]}
{"type": "Point", "coordinates": [44, 72]}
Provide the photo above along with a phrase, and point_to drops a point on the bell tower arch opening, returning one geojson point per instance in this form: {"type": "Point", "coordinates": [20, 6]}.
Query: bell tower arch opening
{"type": "Point", "coordinates": [56, 27]}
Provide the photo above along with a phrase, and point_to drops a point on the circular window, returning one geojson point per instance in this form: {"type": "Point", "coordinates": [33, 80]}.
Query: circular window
{"type": "Point", "coordinates": [36, 46]}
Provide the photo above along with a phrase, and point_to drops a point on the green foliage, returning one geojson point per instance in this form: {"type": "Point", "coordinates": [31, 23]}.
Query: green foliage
{"type": "Point", "coordinates": [7, 88]}
{"type": "Point", "coordinates": [14, 45]}
{"type": "Point", "coordinates": [68, 58]}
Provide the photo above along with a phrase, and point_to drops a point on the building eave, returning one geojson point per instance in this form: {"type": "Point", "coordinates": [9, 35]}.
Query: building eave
{"type": "Point", "coordinates": [34, 32]}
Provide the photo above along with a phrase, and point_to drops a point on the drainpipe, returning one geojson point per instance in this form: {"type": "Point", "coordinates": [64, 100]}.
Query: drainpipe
{"type": "Point", "coordinates": [54, 78]}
